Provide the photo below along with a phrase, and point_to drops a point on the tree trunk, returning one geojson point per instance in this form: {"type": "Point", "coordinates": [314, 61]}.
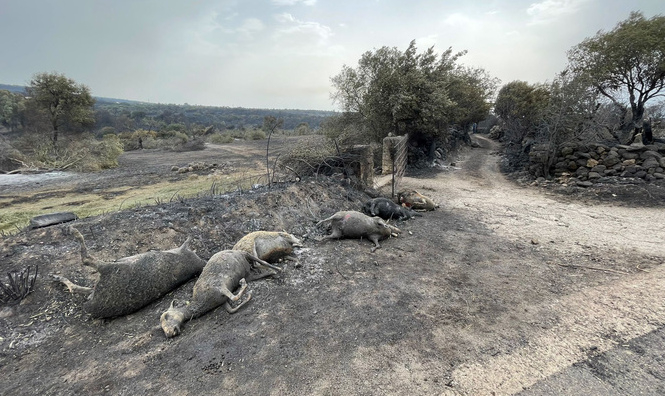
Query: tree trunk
{"type": "Point", "coordinates": [647, 133]}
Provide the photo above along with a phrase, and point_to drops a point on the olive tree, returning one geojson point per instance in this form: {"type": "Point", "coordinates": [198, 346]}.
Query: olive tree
{"type": "Point", "coordinates": [627, 67]}
{"type": "Point", "coordinates": [66, 104]}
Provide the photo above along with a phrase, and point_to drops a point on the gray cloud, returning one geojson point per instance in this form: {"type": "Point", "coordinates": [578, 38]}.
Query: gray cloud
{"type": "Point", "coordinates": [281, 53]}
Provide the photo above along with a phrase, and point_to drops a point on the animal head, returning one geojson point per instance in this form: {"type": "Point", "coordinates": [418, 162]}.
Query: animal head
{"type": "Point", "coordinates": [295, 242]}
{"type": "Point", "coordinates": [171, 320]}
{"type": "Point", "coordinates": [389, 229]}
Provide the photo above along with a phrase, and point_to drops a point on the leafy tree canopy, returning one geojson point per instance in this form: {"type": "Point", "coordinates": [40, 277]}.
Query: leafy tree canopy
{"type": "Point", "coordinates": [12, 106]}
{"type": "Point", "coordinates": [67, 105]}
{"type": "Point", "coordinates": [410, 92]}
{"type": "Point", "coordinates": [626, 65]}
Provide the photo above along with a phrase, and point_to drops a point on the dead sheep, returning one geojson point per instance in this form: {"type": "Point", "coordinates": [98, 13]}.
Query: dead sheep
{"type": "Point", "coordinates": [224, 272]}
{"type": "Point", "coordinates": [130, 283]}
{"type": "Point", "coordinates": [352, 224]}
{"type": "Point", "coordinates": [388, 210]}
{"type": "Point", "coordinates": [270, 246]}
{"type": "Point", "coordinates": [415, 200]}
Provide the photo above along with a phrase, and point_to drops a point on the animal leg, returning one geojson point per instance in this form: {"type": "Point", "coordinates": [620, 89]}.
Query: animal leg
{"type": "Point", "coordinates": [230, 309]}
{"type": "Point", "coordinates": [336, 234]}
{"type": "Point", "coordinates": [256, 260]}
{"type": "Point", "coordinates": [73, 287]}
{"type": "Point", "coordinates": [235, 297]}
{"type": "Point", "coordinates": [376, 243]}
{"type": "Point", "coordinates": [372, 209]}
{"type": "Point", "coordinates": [260, 275]}
{"type": "Point", "coordinates": [86, 258]}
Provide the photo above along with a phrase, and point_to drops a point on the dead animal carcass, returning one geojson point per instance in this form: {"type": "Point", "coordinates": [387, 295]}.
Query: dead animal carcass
{"type": "Point", "coordinates": [352, 224]}
{"type": "Point", "coordinates": [415, 200]}
{"type": "Point", "coordinates": [224, 272]}
{"type": "Point", "coordinates": [388, 210]}
{"type": "Point", "coordinates": [270, 246]}
{"type": "Point", "coordinates": [130, 283]}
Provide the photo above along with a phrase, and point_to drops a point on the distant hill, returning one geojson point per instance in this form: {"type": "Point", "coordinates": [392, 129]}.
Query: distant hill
{"type": "Point", "coordinates": [21, 89]}
{"type": "Point", "coordinates": [13, 88]}
{"type": "Point", "coordinates": [108, 109]}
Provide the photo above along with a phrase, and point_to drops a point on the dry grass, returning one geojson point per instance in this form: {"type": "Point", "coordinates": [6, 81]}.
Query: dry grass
{"type": "Point", "coordinates": [17, 210]}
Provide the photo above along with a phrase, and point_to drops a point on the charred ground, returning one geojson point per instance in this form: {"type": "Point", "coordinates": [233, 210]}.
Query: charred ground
{"type": "Point", "coordinates": [494, 292]}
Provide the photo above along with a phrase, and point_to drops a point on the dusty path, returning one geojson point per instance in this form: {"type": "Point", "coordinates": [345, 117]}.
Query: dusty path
{"type": "Point", "coordinates": [594, 237]}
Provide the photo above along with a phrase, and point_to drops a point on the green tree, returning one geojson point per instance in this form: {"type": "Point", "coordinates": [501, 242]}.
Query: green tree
{"type": "Point", "coordinates": [521, 108]}
{"type": "Point", "coordinates": [422, 94]}
{"type": "Point", "coordinates": [67, 105]}
{"type": "Point", "coordinates": [626, 65]}
{"type": "Point", "coordinates": [12, 106]}
{"type": "Point", "coordinates": [471, 90]}
{"type": "Point", "coordinates": [395, 92]}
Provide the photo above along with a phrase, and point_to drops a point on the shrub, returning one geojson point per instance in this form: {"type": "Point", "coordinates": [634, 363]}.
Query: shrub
{"type": "Point", "coordinates": [9, 156]}
{"type": "Point", "coordinates": [307, 157]}
{"type": "Point", "coordinates": [255, 134]}
{"type": "Point", "coordinates": [219, 138]}
{"type": "Point", "coordinates": [107, 151]}
{"type": "Point", "coordinates": [195, 144]}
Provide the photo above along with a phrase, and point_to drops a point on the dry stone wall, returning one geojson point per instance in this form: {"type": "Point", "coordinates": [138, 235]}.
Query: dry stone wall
{"type": "Point", "coordinates": [590, 163]}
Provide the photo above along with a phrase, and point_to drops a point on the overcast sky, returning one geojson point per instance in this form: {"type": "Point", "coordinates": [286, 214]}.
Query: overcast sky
{"type": "Point", "coordinates": [282, 53]}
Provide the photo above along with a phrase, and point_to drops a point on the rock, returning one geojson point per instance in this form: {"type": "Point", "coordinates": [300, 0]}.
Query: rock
{"type": "Point", "coordinates": [175, 168]}
{"type": "Point", "coordinates": [567, 151]}
{"type": "Point", "coordinates": [629, 162]}
{"type": "Point", "coordinates": [659, 175]}
{"type": "Point", "coordinates": [582, 171]}
{"type": "Point", "coordinates": [611, 160]}
{"type": "Point", "coordinates": [584, 184]}
{"type": "Point", "coordinates": [650, 163]}
{"type": "Point", "coordinates": [627, 155]}
{"type": "Point", "coordinates": [599, 168]}
{"type": "Point", "coordinates": [636, 147]}
{"type": "Point", "coordinates": [632, 168]}
{"type": "Point", "coordinates": [593, 175]}
{"type": "Point", "coordinates": [662, 162]}
{"type": "Point", "coordinates": [651, 154]}
{"type": "Point", "coordinates": [641, 174]}
{"type": "Point", "coordinates": [591, 163]}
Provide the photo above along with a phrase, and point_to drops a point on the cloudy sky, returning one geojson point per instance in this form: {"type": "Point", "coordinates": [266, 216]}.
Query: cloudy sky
{"type": "Point", "coordinates": [282, 53]}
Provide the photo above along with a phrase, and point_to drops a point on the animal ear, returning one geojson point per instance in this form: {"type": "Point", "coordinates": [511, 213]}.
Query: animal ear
{"type": "Point", "coordinates": [172, 304]}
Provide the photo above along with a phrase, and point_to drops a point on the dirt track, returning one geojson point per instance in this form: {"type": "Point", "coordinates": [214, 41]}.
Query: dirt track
{"type": "Point", "coordinates": [504, 289]}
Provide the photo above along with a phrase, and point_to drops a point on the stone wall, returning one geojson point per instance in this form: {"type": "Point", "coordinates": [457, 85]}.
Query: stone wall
{"type": "Point", "coordinates": [599, 162]}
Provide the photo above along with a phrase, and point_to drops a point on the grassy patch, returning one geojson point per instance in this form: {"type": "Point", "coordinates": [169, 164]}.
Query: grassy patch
{"type": "Point", "coordinates": [16, 211]}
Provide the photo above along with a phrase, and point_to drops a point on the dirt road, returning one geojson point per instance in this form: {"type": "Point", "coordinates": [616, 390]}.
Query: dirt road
{"type": "Point", "coordinates": [502, 290]}
{"type": "Point", "coordinates": [599, 318]}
